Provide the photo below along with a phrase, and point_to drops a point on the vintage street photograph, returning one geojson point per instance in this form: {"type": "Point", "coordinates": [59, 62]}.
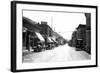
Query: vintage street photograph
{"type": "Point", "coordinates": [55, 36]}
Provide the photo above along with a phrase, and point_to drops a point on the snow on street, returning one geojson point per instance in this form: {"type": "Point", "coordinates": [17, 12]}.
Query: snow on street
{"type": "Point", "coordinates": [58, 54]}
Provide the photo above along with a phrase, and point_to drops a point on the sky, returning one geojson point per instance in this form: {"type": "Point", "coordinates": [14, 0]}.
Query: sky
{"type": "Point", "coordinates": [62, 23]}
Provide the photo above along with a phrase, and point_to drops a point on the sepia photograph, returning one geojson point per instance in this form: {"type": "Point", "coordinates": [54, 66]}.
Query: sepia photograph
{"type": "Point", "coordinates": [47, 36]}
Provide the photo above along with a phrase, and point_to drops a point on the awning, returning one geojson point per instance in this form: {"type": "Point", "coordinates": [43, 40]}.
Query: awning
{"type": "Point", "coordinates": [40, 36]}
{"type": "Point", "coordinates": [50, 39]}
{"type": "Point", "coordinates": [54, 39]}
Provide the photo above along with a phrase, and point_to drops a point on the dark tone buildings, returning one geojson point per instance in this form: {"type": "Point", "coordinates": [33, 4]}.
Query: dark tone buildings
{"type": "Point", "coordinates": [32, 41]}
{"type": "Point", "coordinates": [81, 38]}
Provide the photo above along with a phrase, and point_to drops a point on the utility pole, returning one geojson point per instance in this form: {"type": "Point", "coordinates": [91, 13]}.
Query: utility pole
{"type": "Point", "coordinates": [52, 25]}
{"type": "Point", "coordinates": [51, 22]}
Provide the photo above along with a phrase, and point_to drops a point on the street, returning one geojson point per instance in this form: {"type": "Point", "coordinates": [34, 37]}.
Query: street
{"type": "Point", "coordinates": [58, 54]}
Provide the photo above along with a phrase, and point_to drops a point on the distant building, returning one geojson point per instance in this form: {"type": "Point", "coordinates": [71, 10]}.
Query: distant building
{"type": "Point", "coordinates": [81, 38]}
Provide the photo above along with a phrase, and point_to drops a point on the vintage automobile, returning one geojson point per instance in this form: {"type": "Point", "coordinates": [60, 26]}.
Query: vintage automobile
{"type": "Point", "coordinates": [80, 45]}
{"type": "Point", "coordinates": [38, 47]}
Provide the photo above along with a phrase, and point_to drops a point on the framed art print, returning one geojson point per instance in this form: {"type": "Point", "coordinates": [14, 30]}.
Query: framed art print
{"type": "Point", "coordinates": [47, 36]}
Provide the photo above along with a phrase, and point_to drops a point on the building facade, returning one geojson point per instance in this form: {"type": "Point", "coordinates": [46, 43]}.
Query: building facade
{"type": "Point", "coordinates": [81, 38]}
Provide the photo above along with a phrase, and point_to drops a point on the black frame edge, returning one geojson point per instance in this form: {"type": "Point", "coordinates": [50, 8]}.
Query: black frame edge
{"type": "Point", "coordinates": [56, 68]}
{"type": "Point", "coordinates": [55, 4]}
{"type": "Point", "coordinates": [97, 36]}
{"type": "Point", "coordinates": [13, 36]}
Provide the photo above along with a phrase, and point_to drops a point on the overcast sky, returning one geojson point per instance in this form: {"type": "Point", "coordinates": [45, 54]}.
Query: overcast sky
{"type": "Point", "coordinates": [63, 23]}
